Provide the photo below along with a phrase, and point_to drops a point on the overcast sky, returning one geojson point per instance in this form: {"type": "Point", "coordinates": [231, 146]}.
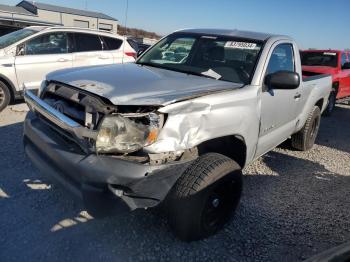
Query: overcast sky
{"type": "Point", "coordinates": [318, 24]}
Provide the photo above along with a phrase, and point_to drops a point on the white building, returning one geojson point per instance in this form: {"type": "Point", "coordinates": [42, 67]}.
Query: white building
{"type": "Point", "coordinates": [28, 13]}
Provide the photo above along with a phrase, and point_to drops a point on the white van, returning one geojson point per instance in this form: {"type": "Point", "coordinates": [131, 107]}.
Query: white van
{"type": "Point", "coordinates": [27, 55]}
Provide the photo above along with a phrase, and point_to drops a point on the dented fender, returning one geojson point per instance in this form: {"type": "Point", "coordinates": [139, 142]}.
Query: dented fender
{"type": "Point", "coordinates": [192, 122]}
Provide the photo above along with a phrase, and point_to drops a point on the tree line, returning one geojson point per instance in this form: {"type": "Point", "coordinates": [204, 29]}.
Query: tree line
{"type": "Point", "coordinates": [139, 33]}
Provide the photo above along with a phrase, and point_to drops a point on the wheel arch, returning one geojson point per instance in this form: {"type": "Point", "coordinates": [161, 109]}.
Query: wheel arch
{"type": "Point", "coordinates": [232, 146]}
{"type": "Point", "coordinates": [10, 86]}
{"type": "Point", "coordinates": [320, 103]}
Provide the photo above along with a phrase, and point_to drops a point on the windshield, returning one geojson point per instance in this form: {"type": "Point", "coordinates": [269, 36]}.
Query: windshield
{"type": "Point", "coordinates": [217, 57]}
{"type": "Point", "coordinates": [14, 37]}
{"type": "Point", "coordinates": [319, 59]}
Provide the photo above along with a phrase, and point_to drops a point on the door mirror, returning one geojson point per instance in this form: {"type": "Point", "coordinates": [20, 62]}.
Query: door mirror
{"type": "Point", "coordinates": [283, 80]}
{"type": "Point", "coordinates": [346, 66]}
{"type": "Point", "coordinates": [20, 50]}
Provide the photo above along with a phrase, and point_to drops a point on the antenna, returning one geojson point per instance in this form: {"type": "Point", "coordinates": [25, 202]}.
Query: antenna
{"type": "Point", "coordinates": [86, 4]}
{"type": "Point", "coordinates": [126, 19]}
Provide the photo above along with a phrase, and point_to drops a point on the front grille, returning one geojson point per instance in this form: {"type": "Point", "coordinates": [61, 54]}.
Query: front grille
{"type": "Point", "coordinates": [71, 109]}
{"type": "Point", "coordinates": [84, 108]}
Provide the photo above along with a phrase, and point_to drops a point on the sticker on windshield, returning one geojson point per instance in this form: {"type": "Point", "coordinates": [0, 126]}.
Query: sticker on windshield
{"type": "Point", "coordinates": [328, 53]}
{"type": "Point", "coordinates": [240, 45]}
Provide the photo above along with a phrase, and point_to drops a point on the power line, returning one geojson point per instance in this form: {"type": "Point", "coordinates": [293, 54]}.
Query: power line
{"type": "Point", "coordinates": [126, 19]}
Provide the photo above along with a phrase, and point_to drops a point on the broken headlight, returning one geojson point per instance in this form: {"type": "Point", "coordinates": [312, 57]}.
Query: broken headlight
{"type": "Point", "coordinates": [120, 134]}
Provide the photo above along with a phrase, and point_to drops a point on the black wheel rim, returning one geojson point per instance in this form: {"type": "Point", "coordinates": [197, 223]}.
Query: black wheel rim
{"type": "Point", "coordinates": [220, 204]}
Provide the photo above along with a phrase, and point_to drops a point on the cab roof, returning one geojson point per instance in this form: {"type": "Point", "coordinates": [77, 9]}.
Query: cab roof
{"type": "Point", "coordinates": [231, 32]}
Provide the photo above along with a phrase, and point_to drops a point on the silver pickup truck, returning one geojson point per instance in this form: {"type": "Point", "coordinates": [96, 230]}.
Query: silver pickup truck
{"type": "Point", "coordinates": [177, 127]}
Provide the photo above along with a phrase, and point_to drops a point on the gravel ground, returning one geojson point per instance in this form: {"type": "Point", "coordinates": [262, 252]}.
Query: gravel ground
{"type": "Point", "coordinates": [294, 205]}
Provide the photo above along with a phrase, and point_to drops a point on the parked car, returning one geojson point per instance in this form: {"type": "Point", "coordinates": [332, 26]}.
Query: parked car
{"type": "Point", "coordinates": [27, 55]}
{"type": "Point", "coordinates": [175, 132]}
{"type": "Point", "coordinates": [139, 47]}
{"type": "Point", "coordinates": [333, 62]}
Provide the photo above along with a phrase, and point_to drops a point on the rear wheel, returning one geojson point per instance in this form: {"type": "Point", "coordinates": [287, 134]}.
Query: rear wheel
{"type": "Point", "coordinates": [5, 96]}
{"type": "Point", "coordinates": [331, 104]}
{"type": "Point", "coordinates": [305, 138]}
{"type": "Point", "coordinates": [205, 196]}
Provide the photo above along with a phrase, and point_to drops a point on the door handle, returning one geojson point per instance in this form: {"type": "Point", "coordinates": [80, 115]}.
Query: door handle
{"type": "Point", "coordinates": [297, 96]}
{"type": "Point", "coordinates": [103, 57]}
{"type": "Point", "coordinates": [62, 60]}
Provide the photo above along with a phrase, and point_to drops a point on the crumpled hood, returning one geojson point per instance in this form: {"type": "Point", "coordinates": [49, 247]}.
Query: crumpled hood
{"type": "Point", "coordinates": [132, 84]}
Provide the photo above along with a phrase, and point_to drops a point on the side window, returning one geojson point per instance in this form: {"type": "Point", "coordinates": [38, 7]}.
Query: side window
{"type": "Point", "coordinates": [343, 60]}
{"type": "Point", "coordinates": [282, 59]}
{"type": "Point", "coordinates": [133, 44]}
{"type": "Point", "coordinates": [87, 42]}
{"type": "Point", "coordinates": [52, 43]}
{"type": "Point", "coordinates": [111, 43]}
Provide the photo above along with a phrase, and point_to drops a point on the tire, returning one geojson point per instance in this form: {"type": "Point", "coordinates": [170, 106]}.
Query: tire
{"type": "Point", "coordinates": [5, 96]}
{"type": "Point", "coordinates": [204, 197]}
{"type": "Point", "coordinates": [331, 104]}
{"type": "Point", "coordinates": [305, 138]}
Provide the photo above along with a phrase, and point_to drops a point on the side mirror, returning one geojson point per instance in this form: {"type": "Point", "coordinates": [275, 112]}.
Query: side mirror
{"type": "Point", "coordinates": [346, 66]}
{"type": "Point", "coordinates": [140, 52]}
{"type": "Point", "coordinates": [283, 80]}
{"type": "Point", "coordinates": [20, 50]}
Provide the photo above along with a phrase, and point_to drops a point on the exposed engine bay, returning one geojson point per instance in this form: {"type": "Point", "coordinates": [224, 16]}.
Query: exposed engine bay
{"type": "Point", "coordinates": [121, 131]}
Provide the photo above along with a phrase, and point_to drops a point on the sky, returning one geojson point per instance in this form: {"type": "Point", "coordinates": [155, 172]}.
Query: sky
{"type": "Point", "coordinates": [313, 24]}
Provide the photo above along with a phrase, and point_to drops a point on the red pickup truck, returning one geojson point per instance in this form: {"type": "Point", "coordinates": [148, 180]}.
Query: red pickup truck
{"type": "Point", "coordinates": [333, 62]}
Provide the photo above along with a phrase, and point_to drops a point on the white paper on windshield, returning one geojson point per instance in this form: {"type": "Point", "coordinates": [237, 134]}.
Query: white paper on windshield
{"type": "Point", "coordinates": [329, 53]}
{"type": "Point", "coordinates": [211, 73]}
{"type": "Point", "coordinates": [240, 45]}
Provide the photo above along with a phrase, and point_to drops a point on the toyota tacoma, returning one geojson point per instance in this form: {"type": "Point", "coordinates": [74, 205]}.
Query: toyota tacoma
{"type": "Point", "coordinates": [177, 127]}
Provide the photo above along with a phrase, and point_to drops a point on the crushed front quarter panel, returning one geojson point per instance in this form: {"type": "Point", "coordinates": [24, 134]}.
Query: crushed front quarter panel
{"type": "Point", "coordinates": [189, 123]}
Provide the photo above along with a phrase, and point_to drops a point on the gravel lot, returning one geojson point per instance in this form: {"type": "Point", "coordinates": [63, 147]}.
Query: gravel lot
{"type": "Point", "coordinates": [294, 205]}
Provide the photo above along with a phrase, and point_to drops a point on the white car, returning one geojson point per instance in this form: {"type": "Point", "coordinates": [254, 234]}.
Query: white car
{"type": "Point", "coordinates": [28, 55]}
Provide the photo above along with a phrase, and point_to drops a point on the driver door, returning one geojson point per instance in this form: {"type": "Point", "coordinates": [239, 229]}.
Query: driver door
{"type": "Point", "coordinates": [278, 106]}
{"type": "Point", "coordinates": [40, 56]}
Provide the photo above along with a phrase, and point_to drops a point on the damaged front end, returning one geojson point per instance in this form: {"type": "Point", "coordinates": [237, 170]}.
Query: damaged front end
{"type": "Point", "coordinates": [95, 146]}
{"type": "Point", "coordinates": [119, 131]}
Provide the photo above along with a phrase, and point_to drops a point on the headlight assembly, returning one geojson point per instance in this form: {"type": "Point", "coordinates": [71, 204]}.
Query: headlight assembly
{"type": "Point", "coordinates": [120, 134]}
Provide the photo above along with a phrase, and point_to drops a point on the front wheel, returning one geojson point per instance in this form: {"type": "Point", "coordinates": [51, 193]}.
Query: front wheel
{"type": "Point", "coordinates": [205, 196]}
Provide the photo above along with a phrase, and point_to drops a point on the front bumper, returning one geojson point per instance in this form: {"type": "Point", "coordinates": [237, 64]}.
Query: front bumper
{"type": "Point", "coordinates": [91, 176]}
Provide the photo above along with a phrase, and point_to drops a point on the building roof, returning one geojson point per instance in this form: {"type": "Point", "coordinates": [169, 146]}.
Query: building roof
{"type": "Point", "coordinates": [14, 9]}
{"type": "Point", "coordinates": [228, 32]}
{"type": "Point", "coordinates": [60, 9]}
